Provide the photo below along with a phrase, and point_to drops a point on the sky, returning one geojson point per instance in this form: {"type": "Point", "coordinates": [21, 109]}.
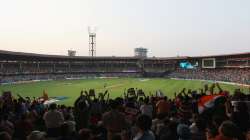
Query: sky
{"type": "Point", "coordinates": [166, 27]}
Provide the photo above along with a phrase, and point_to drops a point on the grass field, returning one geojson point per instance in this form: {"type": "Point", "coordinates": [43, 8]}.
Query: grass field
{"type": "Point", "coordinates": [116, 87]}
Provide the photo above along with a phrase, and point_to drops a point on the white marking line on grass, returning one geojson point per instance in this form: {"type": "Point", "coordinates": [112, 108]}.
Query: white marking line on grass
{"type": "Point", "coordinates": [112, 86]}
{"type": "Point", "coordinates": [116, 85]}
{"type": "Point", "coordinates": [144, 80]}
{"type": "Point", "coordinates": [65, 83]}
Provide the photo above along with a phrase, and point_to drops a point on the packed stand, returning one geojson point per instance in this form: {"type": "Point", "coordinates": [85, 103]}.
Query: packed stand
{"type": "Point", "coordinates": [208, 114]}
{"type": "Point", "coordinates": [228, 75]}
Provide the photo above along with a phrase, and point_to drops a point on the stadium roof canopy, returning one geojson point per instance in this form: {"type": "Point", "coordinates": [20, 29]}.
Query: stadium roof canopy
{"type": "Point", "coordinates": [225, 55]}
{"type": "Point", "coordinates": [10, 55]}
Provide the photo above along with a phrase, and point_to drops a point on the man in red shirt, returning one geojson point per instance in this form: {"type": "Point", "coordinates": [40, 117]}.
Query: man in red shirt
{"type": "Point", "coordinates": [162, 106]}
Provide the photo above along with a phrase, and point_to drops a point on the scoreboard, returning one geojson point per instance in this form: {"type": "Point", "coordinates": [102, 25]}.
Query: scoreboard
{"type": "Point", "coordinates": [209, 63]}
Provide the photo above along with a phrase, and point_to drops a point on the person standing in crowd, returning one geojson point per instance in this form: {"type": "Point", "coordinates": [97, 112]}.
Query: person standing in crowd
{"type": "Point", "coordinates": [198, 129]}
{"type": "Point", "coordinates": [143, 125]}
{"type": "Point", "coordinates": [228, 131]}
{"type": "Point", "coordinates": [183, 132]}
{"type": "Point", "coordinates": [147, 108]}
{"type": "Point", "coordinates": [23, 127]}
{"type": "Point", "coordinates": [241, 117]}
{"type": "Point", "coordinates": [113, 120]}
{"type": "Point", "coordinates": [82, 111]}
{"type": "Point", "coordinates": [53, 121]}
{"type": "Point", "coordinates": [162, 106]}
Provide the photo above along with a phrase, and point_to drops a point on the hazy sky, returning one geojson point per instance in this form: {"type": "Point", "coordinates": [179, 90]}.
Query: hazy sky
{"type": "Point", "coordinates": [165, 27]}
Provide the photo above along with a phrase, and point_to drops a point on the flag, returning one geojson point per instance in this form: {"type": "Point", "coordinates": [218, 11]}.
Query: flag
{"type": "Point", "coordinates": [45, 95]}
{"type": "Point", "coordinates": [208, 101]}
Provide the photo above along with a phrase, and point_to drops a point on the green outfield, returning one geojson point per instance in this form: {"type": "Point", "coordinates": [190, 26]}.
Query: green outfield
{"type": "Point", "coordinates": [116, 87]}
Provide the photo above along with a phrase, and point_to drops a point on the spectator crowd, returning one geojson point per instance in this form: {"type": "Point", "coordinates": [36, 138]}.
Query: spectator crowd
{"type": "Point", "coordinates": [134, 116]}
{"type": "Point", "coordinates": [241, 76]}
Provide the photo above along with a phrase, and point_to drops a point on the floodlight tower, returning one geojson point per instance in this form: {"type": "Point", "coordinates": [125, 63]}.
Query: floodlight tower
{"type": "Point", "coordinates": [92, 41]}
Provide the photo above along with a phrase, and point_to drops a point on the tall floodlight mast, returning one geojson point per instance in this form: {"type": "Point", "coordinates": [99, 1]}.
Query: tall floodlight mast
{"type": "Point", "coordinates": [92, 41]}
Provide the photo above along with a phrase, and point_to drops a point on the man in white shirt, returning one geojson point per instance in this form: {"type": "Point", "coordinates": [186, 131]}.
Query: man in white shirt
{"type": "Point", "coordinates": [53, 121]}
